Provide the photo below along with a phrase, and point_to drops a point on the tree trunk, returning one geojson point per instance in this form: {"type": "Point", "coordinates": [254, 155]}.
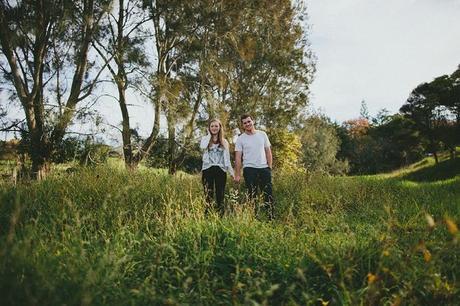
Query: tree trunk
{"type": "Point", "coordinates": [150, 141]}
{"type": "Point", "coordinates": [436, 160]}
{"type": "Point", "coordinates": [172, 168]}
{"type": "Point", "coordinates": [191, 124]}
{"type": "Point", "coordinates": [40, 154]}
{"type": "Point", "coordinates": [126, 129]}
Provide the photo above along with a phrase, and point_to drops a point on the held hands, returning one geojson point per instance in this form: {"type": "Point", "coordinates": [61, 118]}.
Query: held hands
{"type": "Point", "coordinates": [236, 178]}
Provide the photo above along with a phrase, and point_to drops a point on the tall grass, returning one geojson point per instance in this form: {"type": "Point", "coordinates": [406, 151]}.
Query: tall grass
{"type": "Point", "coordinates": [108, 237]}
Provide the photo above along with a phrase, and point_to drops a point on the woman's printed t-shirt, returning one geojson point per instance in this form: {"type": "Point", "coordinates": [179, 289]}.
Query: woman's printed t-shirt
{"type": "Point", "coordinates": [215, 156]}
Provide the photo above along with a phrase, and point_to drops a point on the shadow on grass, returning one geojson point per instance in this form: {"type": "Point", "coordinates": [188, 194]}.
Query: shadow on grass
{"type": "Point", "coordinates": [446, 169]}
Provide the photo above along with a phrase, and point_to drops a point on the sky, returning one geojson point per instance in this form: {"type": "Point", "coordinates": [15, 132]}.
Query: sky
{"type": "Point", "coordinates": [372, 50]}
{"type": "Point", "coordinates": [379, 51]}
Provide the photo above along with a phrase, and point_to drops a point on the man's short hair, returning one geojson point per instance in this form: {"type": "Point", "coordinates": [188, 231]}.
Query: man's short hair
{"type": "Point", "coordinates": [244, 116]}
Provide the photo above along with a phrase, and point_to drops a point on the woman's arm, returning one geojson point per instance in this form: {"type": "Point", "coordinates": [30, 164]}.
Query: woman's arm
{"type": "Point", "coordinates": [227, 161]}
{"type": "Point", "coordinates": [205, 142]}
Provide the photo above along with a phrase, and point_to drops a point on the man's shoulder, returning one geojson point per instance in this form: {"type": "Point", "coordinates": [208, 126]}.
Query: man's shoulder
{"type": "Point", "coordinates": [239, 140]}
{"type": "Point", "coordinates": [261, 133]}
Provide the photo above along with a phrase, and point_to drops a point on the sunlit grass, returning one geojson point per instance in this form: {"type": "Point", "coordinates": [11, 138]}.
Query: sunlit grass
{"type": "Point", "coordinates": [105, 236]}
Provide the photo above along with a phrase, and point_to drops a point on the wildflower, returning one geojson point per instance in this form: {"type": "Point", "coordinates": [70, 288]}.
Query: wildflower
{"type": "Point", "coordinates": [386, 253]}
{"type": "Point", "coordinates": [430, 221]}
{"type": "Point", "coordinates": [397, 301]}
{"type": "Point", "coordinates": [371, 278]}
{"type": "Point", "coordinates": [451, 226]}
{"type": "Point", "coordinates": [323, 302]}
{"type": "Point", "coordinates": [426, 255]}
{"type": "Point", "coordinates": [421, 245]}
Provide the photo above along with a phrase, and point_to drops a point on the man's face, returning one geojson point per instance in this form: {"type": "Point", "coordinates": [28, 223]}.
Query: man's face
{"type": "Point", "coordinates": [248, 124]}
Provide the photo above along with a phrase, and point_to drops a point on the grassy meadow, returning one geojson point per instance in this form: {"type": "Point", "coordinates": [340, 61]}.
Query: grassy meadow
{"type": "Point", "coordinates": [104, 236]}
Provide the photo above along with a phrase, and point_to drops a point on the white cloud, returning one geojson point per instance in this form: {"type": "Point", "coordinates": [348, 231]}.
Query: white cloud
{"type": "Point", "coordinates": [379, 50]}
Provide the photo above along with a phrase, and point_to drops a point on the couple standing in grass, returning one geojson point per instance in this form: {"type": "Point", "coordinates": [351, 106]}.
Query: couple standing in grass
{"type": "Point", "coordinates": [252, 152]}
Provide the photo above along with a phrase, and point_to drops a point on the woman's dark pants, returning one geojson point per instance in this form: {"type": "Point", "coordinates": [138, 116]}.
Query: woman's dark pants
{"type": "Point", "coordinates": [214, 179]}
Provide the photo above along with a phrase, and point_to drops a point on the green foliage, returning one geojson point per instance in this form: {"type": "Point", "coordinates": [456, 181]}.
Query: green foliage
{"type": "Point", "coordinates": [106, 236]}
{"type": "Point", "coordinates": [320, 145]}
{"type": "Point", "coordinates": [93, 153]}
{"type": "Point", "coordinates": [69, 150]}
{"type": "Point", "coordinates": [435, 109]}
{"type": "Point", "coordinates": [286, 150]}
{"type": "Point", "coordinates": [385, 143]}
{"type": "Point", "coordinates": [257, 60]}
{"type": "Point", "coordinates": [159, 157]}
{"type": "Point", "coordinates": [9, 149]}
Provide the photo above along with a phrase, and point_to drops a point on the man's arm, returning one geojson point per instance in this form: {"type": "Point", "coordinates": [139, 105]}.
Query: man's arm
{"type": "Point", "coordinates": [238, 165]}
{"type": "Point", "coordinates": [269, 156]}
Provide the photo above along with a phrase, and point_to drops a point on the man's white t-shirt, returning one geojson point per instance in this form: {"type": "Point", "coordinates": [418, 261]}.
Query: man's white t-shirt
{"type": "Point", "coordinates": [253, 149]}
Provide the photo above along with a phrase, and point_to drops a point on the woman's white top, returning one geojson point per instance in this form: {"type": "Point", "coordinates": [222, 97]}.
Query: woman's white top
{"type": "Point", "coordinates": [215, 156]}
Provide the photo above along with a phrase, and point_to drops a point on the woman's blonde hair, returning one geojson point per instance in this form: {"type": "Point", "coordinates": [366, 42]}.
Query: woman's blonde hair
{"type": "Point", "coordinates": [220, 135]}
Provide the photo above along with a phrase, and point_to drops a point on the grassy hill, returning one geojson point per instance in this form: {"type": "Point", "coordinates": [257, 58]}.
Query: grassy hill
{"type": "Point", "coordinates": [107, 237]}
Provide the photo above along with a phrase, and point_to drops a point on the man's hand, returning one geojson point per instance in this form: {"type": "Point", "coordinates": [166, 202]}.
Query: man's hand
{"type": "Point", "coordinates": [237, 177]}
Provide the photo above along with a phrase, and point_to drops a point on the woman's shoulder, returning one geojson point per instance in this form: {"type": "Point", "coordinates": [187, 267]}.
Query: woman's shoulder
{"type": "Point", "coordinates": [225, 143]}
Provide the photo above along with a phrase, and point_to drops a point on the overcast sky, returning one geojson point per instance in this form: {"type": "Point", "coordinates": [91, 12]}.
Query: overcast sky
{"type": "Point", "coordinates": [372, 50]}
{"type": "Point", "coordinates": [379, 50]}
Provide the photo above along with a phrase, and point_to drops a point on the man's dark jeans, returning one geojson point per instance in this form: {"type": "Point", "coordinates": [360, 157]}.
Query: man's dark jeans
{"type": "Point", "coordinates": [260, 180]}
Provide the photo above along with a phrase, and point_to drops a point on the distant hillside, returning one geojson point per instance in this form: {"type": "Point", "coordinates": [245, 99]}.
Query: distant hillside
{"type": "Point", "coordinates": [427, 170]}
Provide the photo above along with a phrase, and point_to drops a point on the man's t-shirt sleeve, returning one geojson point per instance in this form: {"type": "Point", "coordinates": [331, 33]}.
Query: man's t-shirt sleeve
{"type": "Point", "coordinates": [266, 141]}
{"type": "Point", "coordinates": [238, 145]}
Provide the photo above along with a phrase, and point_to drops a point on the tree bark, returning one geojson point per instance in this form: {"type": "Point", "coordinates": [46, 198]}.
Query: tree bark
{"type": "Point", "coordinates": [172, 167]}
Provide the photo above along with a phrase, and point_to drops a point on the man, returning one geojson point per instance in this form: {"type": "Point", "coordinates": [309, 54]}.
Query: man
{"type": "Point", "coordinates": [253, 152]}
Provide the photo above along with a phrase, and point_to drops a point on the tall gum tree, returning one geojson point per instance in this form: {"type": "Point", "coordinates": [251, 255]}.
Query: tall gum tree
{"type": "Point", "coordinates": [32, 34]}
{"type": "Point", "coordinates": [264, 64]}
{"type": "Point", "coordinates": [122, 49]}
{"type": "Point", "coordinates": [175, 24]}
{"type": "Point", "coordinates": [223, 58]}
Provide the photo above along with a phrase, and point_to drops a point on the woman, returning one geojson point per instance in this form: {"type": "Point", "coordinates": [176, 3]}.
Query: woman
{"type": "Point", "coordinates": [216, 163]}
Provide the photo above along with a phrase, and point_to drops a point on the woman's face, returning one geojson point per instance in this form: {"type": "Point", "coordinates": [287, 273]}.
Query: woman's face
{"type": "Point", "coordinates": [214, 128]}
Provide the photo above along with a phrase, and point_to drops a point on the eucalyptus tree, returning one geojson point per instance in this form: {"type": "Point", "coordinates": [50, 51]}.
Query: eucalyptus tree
{"type": "Point", "coordinates": [434, 107]}
{"type": "Point", "coordinates": [123, 49]}
{"type": "Point", "coordinates": [45, 57]}
{"type": "Point", "coordinates": [420, 109]}
{"type": "Point", "coordinates": [177, 26]}
{"type": "Point", "coordinates": [320, 145]}
{"type": "Point", "coordinates": [263, 63]}
{"type": "Point", "coordinates": [222, 58]}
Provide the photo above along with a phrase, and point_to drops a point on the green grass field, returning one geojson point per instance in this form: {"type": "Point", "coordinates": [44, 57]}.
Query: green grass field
{"type": "Point", "coordinates": [107, 237]}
